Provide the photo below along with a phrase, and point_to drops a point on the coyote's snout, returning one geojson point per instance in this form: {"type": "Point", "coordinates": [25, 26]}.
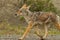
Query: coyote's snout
{"type": "Point", "coordinates": [33, 18]}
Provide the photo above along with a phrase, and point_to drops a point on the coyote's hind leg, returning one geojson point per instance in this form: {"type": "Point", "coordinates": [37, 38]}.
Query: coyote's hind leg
{"type": "Point", "coordinates": [46, 31]}
{"type": "Point", "coordinates": [57, 25]}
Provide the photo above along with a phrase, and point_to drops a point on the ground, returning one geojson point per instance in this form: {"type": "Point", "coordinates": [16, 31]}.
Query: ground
{"type": "Point", "coordinates": [29, 37]}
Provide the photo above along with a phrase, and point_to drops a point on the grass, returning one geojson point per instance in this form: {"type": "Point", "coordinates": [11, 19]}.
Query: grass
{"type": "Point", "coordinates": [12, 29]}
{"type": "Point", "coordinates": [9, 29]}
{"type": "Point", "coordinates": [54, 32]}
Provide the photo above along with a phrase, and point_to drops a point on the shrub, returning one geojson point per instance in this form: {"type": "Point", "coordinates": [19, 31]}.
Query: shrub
{"type": "Point", "coordinates": [41, 5]}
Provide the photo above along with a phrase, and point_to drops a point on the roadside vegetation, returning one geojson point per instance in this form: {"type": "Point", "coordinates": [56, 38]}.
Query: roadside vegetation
{"type": "Point", "coordinates": [11, 24]}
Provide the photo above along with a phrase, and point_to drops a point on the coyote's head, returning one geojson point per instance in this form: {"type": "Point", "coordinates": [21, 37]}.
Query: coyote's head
{"type": "Point", "coordinates": [23, 9]}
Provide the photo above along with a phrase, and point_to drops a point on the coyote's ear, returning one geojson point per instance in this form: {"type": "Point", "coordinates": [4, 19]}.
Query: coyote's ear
{"type": "Point", "coordinates": [28, 6]}
{"type": "Point", "coordinates": [24, 6]}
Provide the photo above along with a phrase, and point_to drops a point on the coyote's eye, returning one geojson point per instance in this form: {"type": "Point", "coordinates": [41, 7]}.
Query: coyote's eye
{"type": "Point", "coordinates": [21, 11]}
{"type": "Point", "coordinates": [15, 14]}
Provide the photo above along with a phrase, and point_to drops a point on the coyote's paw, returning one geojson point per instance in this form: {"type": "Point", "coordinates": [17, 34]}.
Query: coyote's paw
{"type": "Point", "coordinates": [42, 38]}
{"type": "Point", "coordinates": [20, 39]}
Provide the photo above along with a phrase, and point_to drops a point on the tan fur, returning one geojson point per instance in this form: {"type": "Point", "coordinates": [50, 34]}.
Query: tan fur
{"type": "Point", "coordinates": [57, 25]}
{"type": "Point", "coordinates": [38, 17]}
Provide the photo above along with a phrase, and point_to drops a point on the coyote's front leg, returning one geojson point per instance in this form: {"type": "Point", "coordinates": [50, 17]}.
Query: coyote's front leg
{"type": "Point", "coordinates": [27, 30]}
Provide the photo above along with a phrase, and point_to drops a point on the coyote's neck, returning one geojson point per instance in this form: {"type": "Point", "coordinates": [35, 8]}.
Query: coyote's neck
{"type": "Point", "coordinates": [27, 15]}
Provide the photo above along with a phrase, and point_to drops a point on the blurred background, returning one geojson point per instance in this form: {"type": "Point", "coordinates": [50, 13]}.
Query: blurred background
{"type": "Point", "coordinates": [11, 24]}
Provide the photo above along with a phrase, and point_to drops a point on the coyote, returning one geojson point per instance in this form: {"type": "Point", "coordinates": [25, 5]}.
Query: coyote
{"type": "Point", "coordinates": [33, 18]}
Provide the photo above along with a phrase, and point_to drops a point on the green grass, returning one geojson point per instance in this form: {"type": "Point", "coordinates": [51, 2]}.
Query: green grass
{"type": "Point", "coordinates": [9, 29]}
{"type": "Point", "coordinates": [54, 32]}
{"type": "Point", "coordinates": [19, 30]}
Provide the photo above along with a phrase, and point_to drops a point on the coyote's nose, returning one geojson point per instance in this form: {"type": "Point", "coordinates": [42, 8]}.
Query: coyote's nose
{"type": "Point", "coordinates": [15, 14]}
